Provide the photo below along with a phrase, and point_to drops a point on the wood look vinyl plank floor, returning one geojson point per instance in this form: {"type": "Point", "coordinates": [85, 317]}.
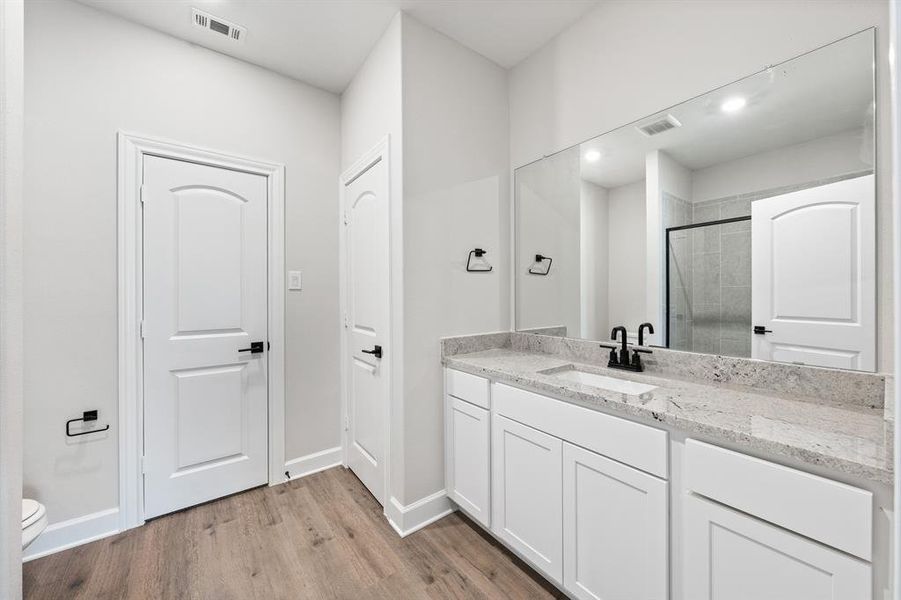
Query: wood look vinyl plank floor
{"type": "Point", "coordinates": [323, 536]}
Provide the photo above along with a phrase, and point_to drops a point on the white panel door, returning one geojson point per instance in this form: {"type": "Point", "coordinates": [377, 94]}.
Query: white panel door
{"type": "Point", "coordinates": [729, 555]}
{"type": "Point", "coordinates": [615, 529]}
{"type": "Point", "coordinates": [814, 274]}
{"type": "Point", "coordinates": [368, 361]}
{"type": "Point", "coordinates": [205, 299]}
{"type": "Point", "coordinates": [468, 457]}
{"type": "Point", "coordinates": [527, 493]}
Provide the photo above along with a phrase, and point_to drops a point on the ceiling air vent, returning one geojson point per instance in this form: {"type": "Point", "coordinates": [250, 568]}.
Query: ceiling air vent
{"type": "Point", "coordinates": [217, 26]}
{"type": "Point", "coordinates": [659, 126]}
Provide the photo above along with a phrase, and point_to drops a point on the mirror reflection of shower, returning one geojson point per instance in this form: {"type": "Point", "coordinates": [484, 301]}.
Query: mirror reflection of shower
{"type": "Point", "coordinates": [708, 275]}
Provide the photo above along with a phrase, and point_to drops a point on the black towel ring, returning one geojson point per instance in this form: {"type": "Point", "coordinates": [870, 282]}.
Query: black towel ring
{"type": "Point", "coordinates": [539, 258]}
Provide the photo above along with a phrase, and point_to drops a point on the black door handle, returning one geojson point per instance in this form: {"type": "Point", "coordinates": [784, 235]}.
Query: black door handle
{"type": "Point", "coordinates": [255, 348]}
{"type": "Point", "coordinates": [376, 351]}
{"type": "Point", "coordinates": [760, 330]}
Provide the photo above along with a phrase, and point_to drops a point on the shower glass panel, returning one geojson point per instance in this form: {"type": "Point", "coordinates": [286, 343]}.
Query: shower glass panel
{"type": "Point", "coordinates": [709, 286]}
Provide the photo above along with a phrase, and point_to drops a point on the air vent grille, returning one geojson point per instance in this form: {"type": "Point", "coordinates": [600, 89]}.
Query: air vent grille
{"type": "Point", "coordinates": [659, 126]}
{"type": "Point", "coordinates": [219, 27]}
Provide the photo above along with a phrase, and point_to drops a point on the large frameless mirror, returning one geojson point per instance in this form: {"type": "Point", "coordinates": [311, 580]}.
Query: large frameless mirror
{"type": "Point", "coordinates": [740, 222]}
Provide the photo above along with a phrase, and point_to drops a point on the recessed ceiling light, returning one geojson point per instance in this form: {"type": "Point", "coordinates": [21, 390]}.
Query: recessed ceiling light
{"type": "Point", "coordinates": [592, 156]}
{"type": "Point", "coordinates": [733, 104]}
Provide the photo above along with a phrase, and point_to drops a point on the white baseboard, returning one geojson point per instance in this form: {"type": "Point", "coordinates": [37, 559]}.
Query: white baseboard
{"type": "Point", "coordinates": [313, 463]}
{"type": "Point", "coordinates": [74, 532]}
{"type": "Point", "coordinates": [413, 517]}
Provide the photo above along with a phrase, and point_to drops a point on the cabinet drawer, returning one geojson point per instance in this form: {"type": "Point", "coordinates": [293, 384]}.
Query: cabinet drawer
{"type": "Point", "coordinates": [631, 443]}
{"type": "Point", "coordinates": [830, 512]}
{"type": "Point", "coordinates": [472, 388]}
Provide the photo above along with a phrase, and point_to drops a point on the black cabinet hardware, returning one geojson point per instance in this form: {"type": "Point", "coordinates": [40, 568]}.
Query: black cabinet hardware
{"type": "Point", "coordinates": [255, 348]}
{"type": "Point", "coordinates": [86, 416]}
{"type": "Point", "coordinates": [376, 351]}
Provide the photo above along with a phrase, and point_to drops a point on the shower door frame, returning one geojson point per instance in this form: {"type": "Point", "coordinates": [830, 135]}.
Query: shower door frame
{"type": "Point", "coordinates": [667, 259]}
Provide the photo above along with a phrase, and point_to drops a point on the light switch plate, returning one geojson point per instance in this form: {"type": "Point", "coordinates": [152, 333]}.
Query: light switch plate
{"type": "Point", "coordinates": [295, 280]}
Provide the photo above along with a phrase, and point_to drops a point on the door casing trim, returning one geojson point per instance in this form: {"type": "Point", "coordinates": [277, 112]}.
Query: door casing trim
{"type": "Point", "coordinates": [132, 148]}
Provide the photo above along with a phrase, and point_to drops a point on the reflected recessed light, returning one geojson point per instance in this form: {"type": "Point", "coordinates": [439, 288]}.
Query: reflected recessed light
{"type": "Point", "coordinates": [592, 156]}
{"type": "Point", "coordinates": [733, 104]}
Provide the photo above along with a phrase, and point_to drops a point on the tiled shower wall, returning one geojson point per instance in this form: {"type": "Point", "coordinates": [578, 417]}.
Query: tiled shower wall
{"type": "Point", "coordinates": [721, 277]}
{"type": "Point", "coordinates": [710, 277]}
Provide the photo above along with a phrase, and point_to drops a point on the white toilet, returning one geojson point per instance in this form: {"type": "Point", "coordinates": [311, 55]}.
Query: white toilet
{"type": "Point", "coordinates": [34, 520]}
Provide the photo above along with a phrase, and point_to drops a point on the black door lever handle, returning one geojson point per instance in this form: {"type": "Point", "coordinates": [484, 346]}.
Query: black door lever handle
{"type": "Point", "coordinates": [761, 329]}
{"type": "Point", "coordinates": [255, 348]}
{"type": "Point", "coordinates": [376, 351]}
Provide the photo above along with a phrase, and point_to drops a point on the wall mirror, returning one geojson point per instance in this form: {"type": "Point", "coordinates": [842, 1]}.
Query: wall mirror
{"type": "Point", "coordinates": [740, 222]}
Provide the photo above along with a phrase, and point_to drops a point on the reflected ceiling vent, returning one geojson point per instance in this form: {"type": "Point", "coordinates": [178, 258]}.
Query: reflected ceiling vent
{"type": "Point", "coordinates": [217, 26]}
{"type": "Point", "coordinates": [659, 126]}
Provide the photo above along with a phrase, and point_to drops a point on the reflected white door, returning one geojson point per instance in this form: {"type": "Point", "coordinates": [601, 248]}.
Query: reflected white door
{"type": "Point", "coordinates": [205, 299]}
{"type": "Point", "coordinates": [814, 276]}
{"type": "Point", "coordinates": [368, 357]}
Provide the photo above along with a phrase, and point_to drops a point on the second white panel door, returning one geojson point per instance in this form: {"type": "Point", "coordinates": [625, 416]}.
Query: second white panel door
{"type": "Point", "coordinates": [368, 358]}
{"type": "Point", "coordinates": [615, 529]}
{"type": "Point", "coordinates": [205, 328]}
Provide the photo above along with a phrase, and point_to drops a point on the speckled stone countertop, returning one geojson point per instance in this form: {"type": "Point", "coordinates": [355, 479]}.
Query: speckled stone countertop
{"type": "Point", "coordinates": [851, 438]}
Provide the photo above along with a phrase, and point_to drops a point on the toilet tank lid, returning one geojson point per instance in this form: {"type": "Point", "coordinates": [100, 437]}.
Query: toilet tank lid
{"type": "Point", "coordinates": [30, 509]}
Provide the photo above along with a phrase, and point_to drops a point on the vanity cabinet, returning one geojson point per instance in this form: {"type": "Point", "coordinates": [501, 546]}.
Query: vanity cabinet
{"type": "Point", "coordinates": [584, 496]}
{"type": "Point", "coordinates": [528, 497]}
{"type": "Point", "coordinates": [467, 435]}
{"type": "Point", "coordinates": [615, 529]}
{"type": "Point", "coordinates": [729, 555]}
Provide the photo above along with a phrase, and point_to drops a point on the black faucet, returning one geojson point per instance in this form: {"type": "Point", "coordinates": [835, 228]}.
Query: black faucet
{"type": "Point", "coordinates": [623, 361]}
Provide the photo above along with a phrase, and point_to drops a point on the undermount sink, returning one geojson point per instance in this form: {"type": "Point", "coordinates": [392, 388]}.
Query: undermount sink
{"type": "Point", "coordinates": [602, 381]}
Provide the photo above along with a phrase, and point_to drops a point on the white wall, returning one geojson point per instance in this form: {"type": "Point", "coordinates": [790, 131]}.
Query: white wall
{"type": "Point", "coordinates": [664, 176]}
{"type": "Point", "coordinates": [456, 198]}
{"type": "Point", "coordinates": [809, 161]}
{"type": "Point", "coordinates": [627, 247]}
{"type": "Point", "coordinates": [547, 222]}
{"type": "Point", "coordinates": [594, 239]}
{"type": "Point", "coordinates": [11, 109]}
{"type": "Point", "coordinates": [371, 109]}
{"type": "Point", "coordinates": [595, 77]}
{"type": "Point", "coordinates": [90, 74]}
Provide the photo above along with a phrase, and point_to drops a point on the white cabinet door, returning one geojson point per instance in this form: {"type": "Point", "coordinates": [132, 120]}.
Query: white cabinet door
{"type": "Point", "coordinates": [729, 555]}
{"type": "Point", "coordinates": [615, 529]}
{"type": "Point", "coordinates": [468, 459]}
{"type": "Point", "coordinates": [527, 494]}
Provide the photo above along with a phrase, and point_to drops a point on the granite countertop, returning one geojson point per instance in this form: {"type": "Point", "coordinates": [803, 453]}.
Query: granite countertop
{"type": "Point", "coordinates": [850, 438]}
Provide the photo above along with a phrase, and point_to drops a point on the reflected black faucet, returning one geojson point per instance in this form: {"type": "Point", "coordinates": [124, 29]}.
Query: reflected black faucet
{"type": "Point", "coordinates": [641, 329]}
{"type": "Point", "coordinates": [623, 352]}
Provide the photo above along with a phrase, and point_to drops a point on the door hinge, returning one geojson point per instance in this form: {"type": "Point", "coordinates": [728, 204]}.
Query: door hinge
{"type": "Point", "coordinates": [141, 327]}
{"type": "Point", "coordinates": [346, 321]}
{"type": "Point", "coordinates": [143, 465]}
{"type": "Point", "coordinates": [143, 190]}
{"type": "Point", "coordinates": [346, 218]}
{"type": "Point", "coordinates": [346, 424]}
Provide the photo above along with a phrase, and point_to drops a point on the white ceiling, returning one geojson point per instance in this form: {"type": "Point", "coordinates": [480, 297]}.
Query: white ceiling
{"type": "Point", "coordinates": [324, 42]}
{"type": "Point", "coordinates": [821, 93]}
